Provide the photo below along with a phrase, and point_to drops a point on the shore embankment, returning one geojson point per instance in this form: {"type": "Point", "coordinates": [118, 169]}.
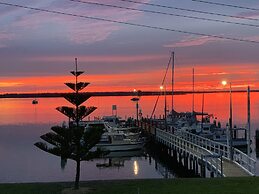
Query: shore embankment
{"type": "Point", "coordinates": [114, 93]}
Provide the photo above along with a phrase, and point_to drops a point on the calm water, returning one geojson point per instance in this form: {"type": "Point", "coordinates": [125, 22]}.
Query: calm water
{"type": "Point", "coordinates": [21, 124]}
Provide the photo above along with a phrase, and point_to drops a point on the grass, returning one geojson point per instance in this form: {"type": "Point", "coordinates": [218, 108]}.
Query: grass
{"type": "Point", "coordinates": [248, 185]}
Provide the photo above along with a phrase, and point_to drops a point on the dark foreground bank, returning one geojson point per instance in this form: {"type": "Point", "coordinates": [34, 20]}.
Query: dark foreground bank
{"type": "Point", "coordinates": [161, 186]}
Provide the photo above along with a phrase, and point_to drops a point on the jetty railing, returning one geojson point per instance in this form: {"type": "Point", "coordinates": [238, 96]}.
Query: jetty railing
{"type": "Point", "coordinates": [240, 158]}
{"type": "Point", "coordinates": [184, 145]}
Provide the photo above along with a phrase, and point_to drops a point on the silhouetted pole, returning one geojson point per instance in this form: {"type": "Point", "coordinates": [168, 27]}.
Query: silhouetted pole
{"type": "Point", "coordinates": [172, 58]}
{"type": "Point", "coordinates": [202, 112]}
{"type": "Point", "coordinates": [137, 110]}
{"type": "Point", "coordinates": [136, 99]}
{"type": "Point", "coordinates": [230, 122]}
{"type": "Point", "coordinates": [165, 108]}
{"type": "Point", "coordinates": [192, 90]}
{"type": "Point", "coordinates": [248, 121]}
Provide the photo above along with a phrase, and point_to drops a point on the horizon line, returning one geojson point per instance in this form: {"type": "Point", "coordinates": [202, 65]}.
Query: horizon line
{"type": "Point", "coordinates": [116, 93]}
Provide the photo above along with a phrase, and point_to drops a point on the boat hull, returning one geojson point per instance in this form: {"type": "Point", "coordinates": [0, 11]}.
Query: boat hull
{"type": "Point", "coordinates": [120, 147]}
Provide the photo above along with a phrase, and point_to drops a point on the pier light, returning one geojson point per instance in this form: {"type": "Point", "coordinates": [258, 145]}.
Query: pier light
{"type": "Point", "coordinates": [163, 88]}
{"type": "Point", "coordinates": [224, 83]}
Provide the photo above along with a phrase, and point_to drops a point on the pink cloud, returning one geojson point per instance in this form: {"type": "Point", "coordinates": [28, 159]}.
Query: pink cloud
{"type": "Point", "coordinates": [253, 38]}
{"type": "Point", "coordinates": [4, 36]}
{"type": "Point", "coordinates": [190, 41]}
{"type": "Point", "coordinates": [104, 58]}
{"type": "Point", "coordinates": [79, 30]}
{"type": "Point", "coordinates": [250, 14]}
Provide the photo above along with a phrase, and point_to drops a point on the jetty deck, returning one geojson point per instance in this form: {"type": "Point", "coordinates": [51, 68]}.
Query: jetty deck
{"type": "Point", "coordinates": [201, 154]}
{"type": "Point", "coordinates": [231, 169]}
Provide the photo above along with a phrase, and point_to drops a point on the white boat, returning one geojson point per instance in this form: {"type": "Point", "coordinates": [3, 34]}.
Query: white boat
{"type": "Point", "coordinates": [116, 138]}
{"type": "Point", "coordinates": [113, 141]}
{"type": "Point", "coordinates": [210, 130]}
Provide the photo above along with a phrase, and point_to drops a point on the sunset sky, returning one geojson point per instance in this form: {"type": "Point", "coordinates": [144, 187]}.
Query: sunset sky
{"type": "Point", "coordinates": [37, 49]}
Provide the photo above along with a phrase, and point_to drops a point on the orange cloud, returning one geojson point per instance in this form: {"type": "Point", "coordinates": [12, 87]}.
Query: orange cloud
{"type": "Point", "coordinates": [206, 78]}
{"type": "Point", "coordinates": [10, 84]}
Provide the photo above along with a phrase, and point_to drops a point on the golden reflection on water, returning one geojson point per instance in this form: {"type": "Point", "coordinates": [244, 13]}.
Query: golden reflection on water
{"type": "Point", "coordinates": [22, 110]}
{"type": "Point", "coordinates": [135, 167]}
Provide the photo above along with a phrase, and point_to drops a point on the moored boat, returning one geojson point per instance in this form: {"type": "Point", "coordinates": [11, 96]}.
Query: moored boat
{"type": "Point", "coordinates": [35, 101]}
{"type": "Point", "coordinates": [116, 138]}
{"type": "Point", "coordinates": [113, 141]}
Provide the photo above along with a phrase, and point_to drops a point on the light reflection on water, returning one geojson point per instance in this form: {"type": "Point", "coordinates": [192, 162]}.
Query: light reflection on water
{"type": "Point", "coordinates": [22, 123]}
{"type": "Point", "coordinates": [135, 167]}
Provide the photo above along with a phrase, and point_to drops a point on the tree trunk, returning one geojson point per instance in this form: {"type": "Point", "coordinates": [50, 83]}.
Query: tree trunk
{"type": "Point", "coordinates": [76, 186]}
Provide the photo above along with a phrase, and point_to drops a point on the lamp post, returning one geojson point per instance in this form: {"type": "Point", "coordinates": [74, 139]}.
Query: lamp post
{"type": "Point", "coordinates": [163, 88]}
{"type": "Point", "coordinates": [136, 99]}
{"type": "Point", "coordinates": [230, 119]}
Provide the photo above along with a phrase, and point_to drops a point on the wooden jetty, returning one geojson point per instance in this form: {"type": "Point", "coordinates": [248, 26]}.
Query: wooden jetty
{"type": "Point", "coordinates": [204, 156]}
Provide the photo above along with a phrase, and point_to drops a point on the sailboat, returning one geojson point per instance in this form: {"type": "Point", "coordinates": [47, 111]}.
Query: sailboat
{"type": "Point", "coordinates": [188, 121]}
{"type": "Point", "coordinates": [35, 101]}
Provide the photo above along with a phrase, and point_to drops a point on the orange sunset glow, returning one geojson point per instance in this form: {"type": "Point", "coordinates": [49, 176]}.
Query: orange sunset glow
{"type": "Point", "coordinates": [206, 78]}
{"type": "Point", "coordinates": [129, 96]}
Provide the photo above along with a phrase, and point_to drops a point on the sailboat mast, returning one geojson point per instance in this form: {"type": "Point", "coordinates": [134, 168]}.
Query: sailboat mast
{"type": "Point", "coordinates": [192, 90]}
{"type": "Point", "coordinates": [248, 121]}
{"type": "Point", "coordinates": [202, 111]}
{"type": "Point", "coordinates": [165, 108]}
{"type": "Point", "coordinates": [172, 57]}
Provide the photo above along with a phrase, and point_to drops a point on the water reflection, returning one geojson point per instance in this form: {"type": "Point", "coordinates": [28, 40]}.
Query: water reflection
{"type": "Point", "coordinates": [139, 160]}
{"type": "Point", "coordinates": [118, 158]}
{"type": "Point", "coordinates": [135, 167]}
{"type": "Point", "coordinates": [22, 111]}
{"type": "Point", "coordinates": [110, 163]}
{"type": "Point", "coordinates": [23, 162]}
{"type": "Point", "coordinates": [21, 125]}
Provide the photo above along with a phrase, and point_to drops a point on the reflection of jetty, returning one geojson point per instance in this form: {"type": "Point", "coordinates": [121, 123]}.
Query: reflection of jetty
{"type": "Point", "coordinates": [117, 159]}
{"type": "Point", "coordinates": [111, 163]}
{"type": "Point", "coordinates": [143, 93]}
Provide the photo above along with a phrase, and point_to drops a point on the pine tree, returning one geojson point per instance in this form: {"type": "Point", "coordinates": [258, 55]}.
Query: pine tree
{"type": "Point", "coordinates": [73, 142]}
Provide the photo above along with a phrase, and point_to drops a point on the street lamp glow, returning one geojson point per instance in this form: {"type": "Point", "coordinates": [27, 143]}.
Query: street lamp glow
{"type": "Point", "coordinates": [224, 82]}
{"type": "Point", "coordinates": [230, 135]}
{"type": "Point", "coordinates": [161, 87]}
